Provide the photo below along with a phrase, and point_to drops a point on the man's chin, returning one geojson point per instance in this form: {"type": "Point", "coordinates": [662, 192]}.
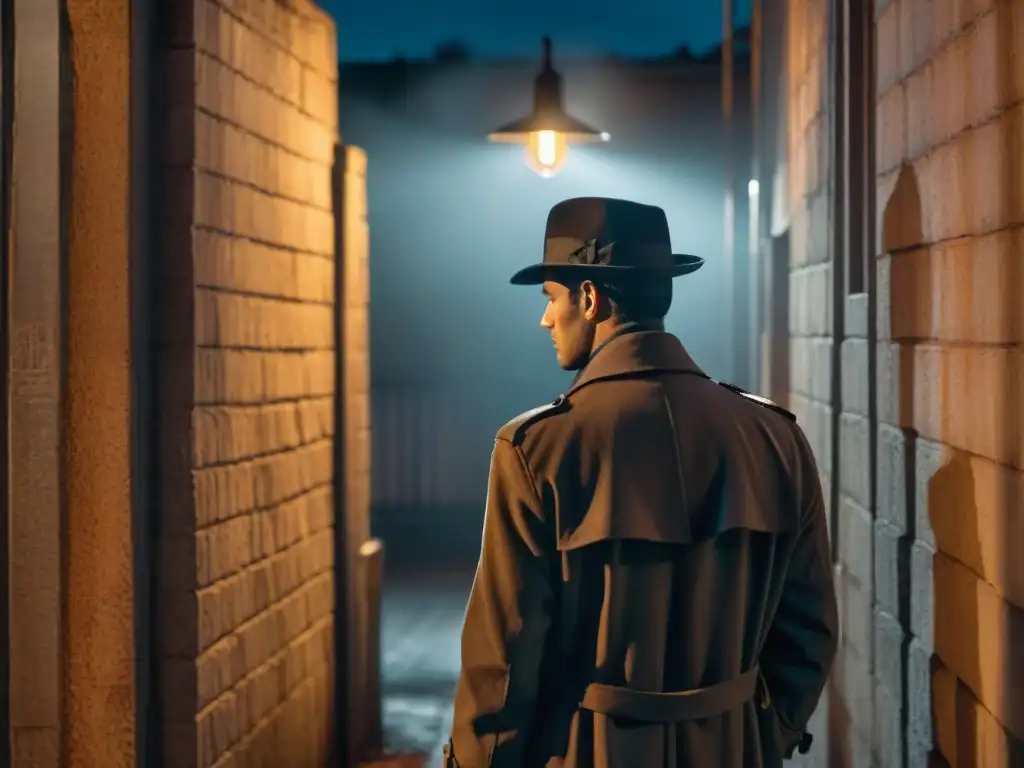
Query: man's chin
{"type": "Point", "coordinates": [571, 365]}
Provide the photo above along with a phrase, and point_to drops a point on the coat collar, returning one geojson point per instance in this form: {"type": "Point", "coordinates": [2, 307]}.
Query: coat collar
{"type": "Point", "coordinates": [636, 353]}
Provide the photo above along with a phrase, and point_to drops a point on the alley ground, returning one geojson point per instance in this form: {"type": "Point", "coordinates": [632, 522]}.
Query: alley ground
{"type": "Point", "coordinates": [422, 622]}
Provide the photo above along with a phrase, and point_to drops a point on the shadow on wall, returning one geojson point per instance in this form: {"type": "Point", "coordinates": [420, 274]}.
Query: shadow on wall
{"type": "Point", "coordinates": [1012, 487]}
{"type": "Point", "coordinates": [961, 508]}
{"type": "Point", "coordinates": [902, 237]}
{"type": "Point", "coordinates": [939, 484]}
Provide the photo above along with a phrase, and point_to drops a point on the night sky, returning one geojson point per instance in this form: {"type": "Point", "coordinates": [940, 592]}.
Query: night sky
{"type": "Point", "coordinates": [383, 29]}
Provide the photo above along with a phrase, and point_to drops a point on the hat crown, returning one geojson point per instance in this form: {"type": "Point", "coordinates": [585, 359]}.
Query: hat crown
{"type": "Point", "coordinates": [608, 220]}
{"type": "Point", "coordinates": [602, 231]}
{"type": "Point", "coordinates": [612, 236]}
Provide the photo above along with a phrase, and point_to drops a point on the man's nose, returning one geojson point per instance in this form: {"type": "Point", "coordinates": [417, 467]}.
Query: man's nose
{"type": "Point", "coordinates": [545, 321]}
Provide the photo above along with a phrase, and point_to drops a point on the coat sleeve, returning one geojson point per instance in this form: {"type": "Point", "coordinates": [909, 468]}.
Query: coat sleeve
{"type": "Point", "coordinates": [801, 643]}
{"type": "Point", "coordinates": [507, 621]}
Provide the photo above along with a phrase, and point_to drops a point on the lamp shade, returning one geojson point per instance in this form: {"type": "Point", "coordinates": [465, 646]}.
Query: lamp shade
{"type": "Point", "coordinates": [548, 111]}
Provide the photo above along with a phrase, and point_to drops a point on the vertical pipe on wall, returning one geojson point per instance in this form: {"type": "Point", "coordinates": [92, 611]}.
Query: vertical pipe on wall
{"type": "Point", "coordinates": [773, 151]}
{"type": "Point", "coordinates": [754, 204]}
{"type": "Point", "coordinates": [836, 43]}
{"type": "Point", "coordinates": [142, 246]}
{"type": "Point", "coordinates": [729, 243]}
{"type": "Point", "coordinates": [870, 232]}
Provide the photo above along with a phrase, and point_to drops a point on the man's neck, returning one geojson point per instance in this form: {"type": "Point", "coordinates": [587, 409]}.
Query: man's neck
{"type": "Point", "coordinates": [605, 335]}
{"type": "Point", "coordinates": [608, 331]}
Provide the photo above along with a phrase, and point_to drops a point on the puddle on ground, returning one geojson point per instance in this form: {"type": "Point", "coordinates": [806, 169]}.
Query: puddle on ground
{"type": "Point", "coordinates": [414, 723]}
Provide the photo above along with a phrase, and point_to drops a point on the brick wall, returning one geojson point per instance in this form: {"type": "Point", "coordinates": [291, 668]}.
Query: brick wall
{"type": "Point", "coordinates": [247, 377]}
{"type": "Point", "coordinates": [930, 583]}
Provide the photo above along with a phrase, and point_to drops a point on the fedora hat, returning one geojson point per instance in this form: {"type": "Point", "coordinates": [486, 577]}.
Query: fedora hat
{"type": "Point", "coordinates": [600, 237]}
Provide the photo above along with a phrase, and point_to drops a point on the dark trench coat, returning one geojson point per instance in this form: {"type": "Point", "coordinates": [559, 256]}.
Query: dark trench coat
{"type": "Point", "coordinates": [650, 533]}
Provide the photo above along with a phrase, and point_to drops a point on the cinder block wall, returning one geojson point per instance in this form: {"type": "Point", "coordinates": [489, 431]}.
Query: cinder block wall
{"type": "Point", "coordinates": [810, 320]}
{"type": "Point", "coordinates": [810, 279]}
{"type": "Point", "coordinates": [950, 85]}
{"type": "Point", "coordinates": [245, 623]}
{"type": "Point", "coordinates": [931, 581]}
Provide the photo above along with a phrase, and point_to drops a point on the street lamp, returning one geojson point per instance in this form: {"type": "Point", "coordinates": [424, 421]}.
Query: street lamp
{"type": "Point", "coordinates": [549, 129]}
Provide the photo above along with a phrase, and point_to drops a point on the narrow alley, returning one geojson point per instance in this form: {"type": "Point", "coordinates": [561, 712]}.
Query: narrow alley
{"type": "Point", "coordinates": [422, 622]}
{"type": "Point", "coordinates": [211, 403]}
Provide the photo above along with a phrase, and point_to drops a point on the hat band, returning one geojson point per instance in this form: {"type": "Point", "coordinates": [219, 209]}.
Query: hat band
{"type": "Point", "coordinates": [577, 251]}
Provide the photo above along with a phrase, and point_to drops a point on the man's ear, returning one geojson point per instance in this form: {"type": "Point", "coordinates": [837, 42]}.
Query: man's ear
{"type": "Point", "coordinates": [590, 299]}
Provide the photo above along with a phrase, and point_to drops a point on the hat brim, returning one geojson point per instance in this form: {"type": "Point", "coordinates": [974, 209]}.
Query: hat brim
{"type": "Point", "coordinates": [535, 274]}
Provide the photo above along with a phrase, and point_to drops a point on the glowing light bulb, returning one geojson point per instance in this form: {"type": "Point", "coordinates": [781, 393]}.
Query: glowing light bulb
{"type": "Point", "coordinates": [546, 151]}
{"type": "Point", "coordinates": [546, 148]}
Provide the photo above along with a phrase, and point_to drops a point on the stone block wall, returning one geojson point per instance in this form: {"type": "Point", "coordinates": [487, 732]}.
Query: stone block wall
{"type": "Point", "coordinates": [810, 279]}
{"type": "Point", "coordinates": [950, 85]}
{"type": "Point", "coordinates": [245, 601]}
{"type": "Point", "coordinates": [810, 276]}
{"type": "Point", "coordinates": [930, 583]}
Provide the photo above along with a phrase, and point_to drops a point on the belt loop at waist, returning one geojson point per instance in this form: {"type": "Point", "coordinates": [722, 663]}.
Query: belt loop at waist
{"type": "Point", "coordinates": [674, 706]}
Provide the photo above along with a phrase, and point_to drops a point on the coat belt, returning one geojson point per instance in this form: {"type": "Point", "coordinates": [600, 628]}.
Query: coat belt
{"type": "Point", "coordinates": [674, 706]}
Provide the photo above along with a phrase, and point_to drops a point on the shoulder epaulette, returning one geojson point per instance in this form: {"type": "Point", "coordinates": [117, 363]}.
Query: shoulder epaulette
{"type": "Point", "coordinates": [515, 430]}
{"type": "Point", "coordinates": [764, 402]}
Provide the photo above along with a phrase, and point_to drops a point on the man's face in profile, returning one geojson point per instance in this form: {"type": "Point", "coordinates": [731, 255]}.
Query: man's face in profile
{"type": "Point", "coordinates": [571, 318]}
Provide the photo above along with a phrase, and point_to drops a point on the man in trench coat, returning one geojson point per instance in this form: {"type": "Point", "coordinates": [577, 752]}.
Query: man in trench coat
{"type": "Point", "coordinates": [654, 587]}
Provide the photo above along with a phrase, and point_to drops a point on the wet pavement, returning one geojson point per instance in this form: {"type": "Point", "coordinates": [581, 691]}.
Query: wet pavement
{"type": "Point", "coordinates": [422, 624]}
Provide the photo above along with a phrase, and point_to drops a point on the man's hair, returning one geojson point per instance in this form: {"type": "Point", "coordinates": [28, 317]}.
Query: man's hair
{"type": "Point", "coordinates": [634, 300]}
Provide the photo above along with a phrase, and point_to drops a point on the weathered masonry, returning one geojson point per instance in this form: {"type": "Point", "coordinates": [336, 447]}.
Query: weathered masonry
{"type": "Point", "coordinates": [185, 341]}
{"type": "Point", "coordinates": [891, 134]}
